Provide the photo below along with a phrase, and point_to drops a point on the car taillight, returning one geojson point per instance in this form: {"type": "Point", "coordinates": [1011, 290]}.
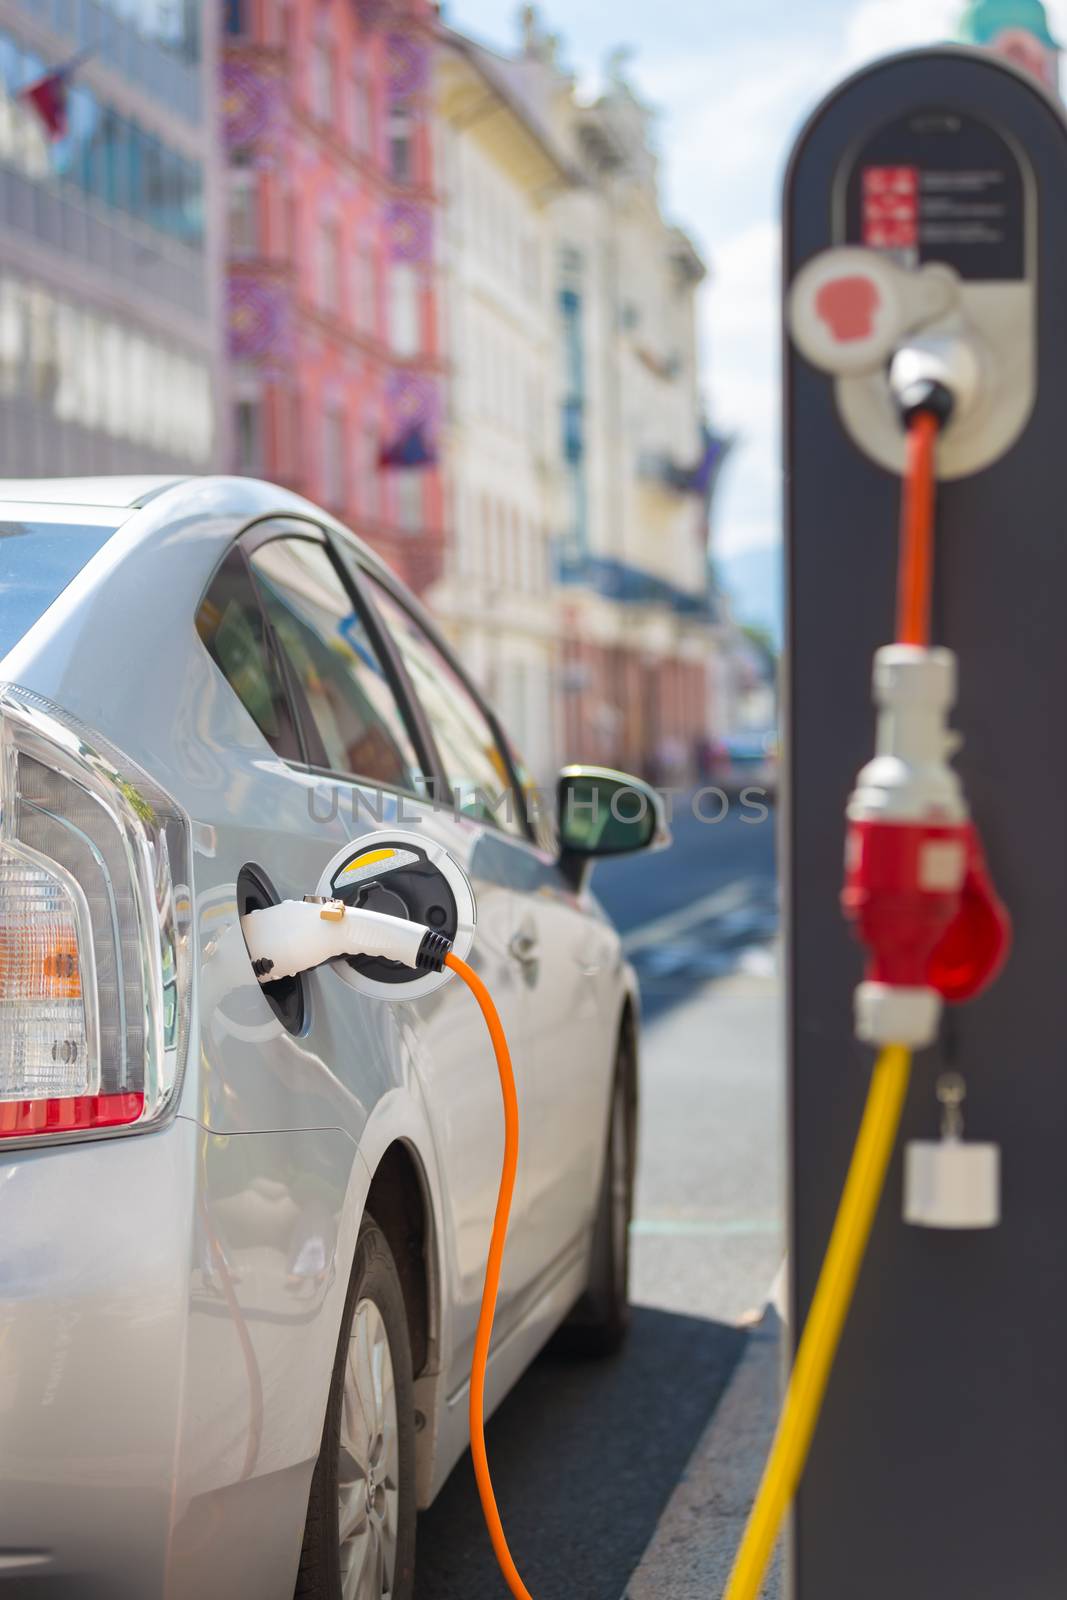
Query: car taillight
{"type": "Point", "coordinates": [94, 932]}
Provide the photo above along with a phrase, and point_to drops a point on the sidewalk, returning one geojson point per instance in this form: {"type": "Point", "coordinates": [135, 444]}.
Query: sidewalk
{"type": "Point", "coordinates": [709, 1241]}
{"type": "Point", "coordinates": [708, 1231]}
{"type": "Point", "coordinates": [692, 1550]}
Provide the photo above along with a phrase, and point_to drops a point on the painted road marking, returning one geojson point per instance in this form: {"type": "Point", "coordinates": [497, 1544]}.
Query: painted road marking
{"type": "Point", "coordinates": [729, 898]}
{"type": "Point", "coordinates": [705, 1227]}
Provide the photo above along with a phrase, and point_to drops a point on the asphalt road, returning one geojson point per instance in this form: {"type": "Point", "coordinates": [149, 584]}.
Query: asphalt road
{"type": "Point", "coordinates": [705, 856]}
{"type": "Point", "coordinates": [694, 911]}
{"type": "Point", "coordinates": [586, 1454]}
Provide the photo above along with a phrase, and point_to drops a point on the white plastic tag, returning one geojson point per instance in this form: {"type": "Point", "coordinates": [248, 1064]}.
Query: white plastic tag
{"type": "Point", "coordinates": [950, 1183]}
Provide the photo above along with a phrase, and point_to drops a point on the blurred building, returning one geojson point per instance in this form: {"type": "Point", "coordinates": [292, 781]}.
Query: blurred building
{"type": "Point", "coordinates": [109, 268]}
{"type": "Point", "coordinates": [637, 627]}
{"type": "Point", "coordinates": [334, 366]}
{"type": "Point", "coordinates": [1017, 30]}
{"type": "Point", "coordinates": [500, 174]}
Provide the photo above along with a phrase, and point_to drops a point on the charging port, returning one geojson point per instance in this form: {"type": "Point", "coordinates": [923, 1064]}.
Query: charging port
{"type": "Point", "coordinates": [285, 996]}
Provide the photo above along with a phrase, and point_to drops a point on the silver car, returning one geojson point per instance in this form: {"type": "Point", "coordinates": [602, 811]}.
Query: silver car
{"type": "Point", "coordinates": [244, 1229]}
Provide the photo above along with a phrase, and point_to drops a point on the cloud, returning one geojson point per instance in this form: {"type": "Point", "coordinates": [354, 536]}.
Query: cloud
{"type": "Point", "coordinates": [741, 345]}
{"type": "Point", "coordinates": [878, 27]}
{"type": "Point", "coordinates": [726, 124]}
{"type": "Point", "coordinates": [741, 324]}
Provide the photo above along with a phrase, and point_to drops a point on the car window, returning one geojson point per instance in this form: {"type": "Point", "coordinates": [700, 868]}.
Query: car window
{"type": "Point", "coordinates": [231, 625]}
{"type": "Point", "coordinates": [474, 764]}
{"type": "Point", "coordinates": [344, 683]}
{"type": "Point", "coordinates": [37, 561]}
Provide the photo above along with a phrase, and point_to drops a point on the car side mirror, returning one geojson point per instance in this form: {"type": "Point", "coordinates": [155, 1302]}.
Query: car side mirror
{"type": "Point", "coordinates": [606, 813]}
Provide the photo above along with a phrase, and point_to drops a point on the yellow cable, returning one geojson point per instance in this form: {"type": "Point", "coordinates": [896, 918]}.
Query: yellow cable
{"type": "Point", "coordinates": [822, 1331]}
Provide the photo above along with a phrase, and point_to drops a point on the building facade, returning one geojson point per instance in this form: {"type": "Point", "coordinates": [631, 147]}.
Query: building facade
{"type": "Point", "coordinates": [334, 379]}
{"type": "Point", "coordinates": [636, 619]}
{"type": "Point", "coordinates": [500, 175]}
{"type": "Point", "coordinates": [110, 271]}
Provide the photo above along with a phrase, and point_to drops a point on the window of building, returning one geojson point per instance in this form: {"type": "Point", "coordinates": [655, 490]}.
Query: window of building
{"type": "Point", "coordinates": [12, 338]}
{"type": "Point", "coordinates": [104, 154]}
{"type": "Point", "coordinates": [360, 107]}
{"type": "Point", "coordinates": [364, 283]}
{"type": "Point", "coordinates": [248, 438]}
{"type": "Point", "coordinates": [516, 575]}
{"type": "Point", "coordinates": [321, 86]}
{"type": "Point", "coordinates": [293, 235]}
{"type": "Point", "coordinates": [537, 555]}
{"type": "Point", "coordinates": [535, 412]}
{"type": "Point", "coordinates": [286, 453]}
{"type": "Point", "coordinates": [230, 623]}
{"type": "Point", "coordinates": [531, 267]}
{"type": "Point", "coordinates": [474, 764]}
{"type": "Point", "coordinates": [355, 713]}
{"type": "Point", "coordinates": [333, 457]}
{"type": "Point", "coordinates": [481, 538]}
{"type": "Point", "coordinates": [243, 220]}
{"type": "Point", "coordinates": [329, 265]}
{"type": "Point", "coordinates": [369, 492]}
{"type": "Point", "coordinates": [281, 25]}
{"type": "Point", "coordinates": [233, 16]}
{"type": "Point", "coordinates": [407, 493]}
{"type": "Point", "coordinates": [405, 334]}
{"type": "Point", "coordinates": [100, 373]}
{"type": "Point", "coordinates": [400, 144]}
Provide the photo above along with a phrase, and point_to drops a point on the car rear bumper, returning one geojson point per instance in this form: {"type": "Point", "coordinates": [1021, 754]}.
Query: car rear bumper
{"type": "Point", "coordinates": [94, 1290]}
{"type": "Point", "coordinates": [169, 1306]}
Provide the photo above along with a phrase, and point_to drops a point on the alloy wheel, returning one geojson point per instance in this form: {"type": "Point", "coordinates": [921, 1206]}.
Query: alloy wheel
{"type": "Point", "coordinates": [368, 1472]}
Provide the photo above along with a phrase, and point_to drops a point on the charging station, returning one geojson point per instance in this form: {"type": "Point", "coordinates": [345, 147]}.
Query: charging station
{"type": "Point", "coordinates": [939, 181]}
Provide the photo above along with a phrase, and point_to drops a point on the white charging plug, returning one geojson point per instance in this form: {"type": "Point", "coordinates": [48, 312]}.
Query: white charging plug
{"type": "Point", "coordinates": [296, 935]}
{"type": "Point", "coordinates": [940, 363]}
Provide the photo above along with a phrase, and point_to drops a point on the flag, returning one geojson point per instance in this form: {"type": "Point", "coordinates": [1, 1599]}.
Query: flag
{"type": "Point", "coordinates": [48, 96]}
{"type": "Point", "coordinates": [702, 476]}
{"type": "Point", "coordinates": [408, 449]}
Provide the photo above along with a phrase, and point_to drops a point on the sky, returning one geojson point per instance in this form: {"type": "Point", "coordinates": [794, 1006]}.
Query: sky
{"type": "Point", "coordinates": [733, 80]}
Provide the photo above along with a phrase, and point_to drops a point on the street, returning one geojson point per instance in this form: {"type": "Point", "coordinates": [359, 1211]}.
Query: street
{"type": "Point", "coordinates": [586, 1454]}
{"type": "Point", "coordinates": [692, 912]}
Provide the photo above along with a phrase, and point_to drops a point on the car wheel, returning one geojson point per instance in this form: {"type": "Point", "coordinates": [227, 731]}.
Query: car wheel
{"type": "Point", "coordinates": [359, 1540]}
{"type": "Point", "coordinates": [599, 1322]}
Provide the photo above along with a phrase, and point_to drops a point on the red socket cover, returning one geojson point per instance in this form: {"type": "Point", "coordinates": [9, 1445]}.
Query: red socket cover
{"type": "Point", "coordinates": [848, 306]}
{"type": "Point", "coordinates": [922, 902]}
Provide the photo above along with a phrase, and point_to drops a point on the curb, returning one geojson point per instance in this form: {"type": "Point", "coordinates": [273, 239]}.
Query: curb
{"type": "Point", "coordinates": [692, 1550]}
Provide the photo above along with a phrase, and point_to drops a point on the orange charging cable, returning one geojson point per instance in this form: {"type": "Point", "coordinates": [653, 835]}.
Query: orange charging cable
{"type": "Point", "coordinates": [492, 1275]}
{"type": "Point", "coordinates": [915, 578]}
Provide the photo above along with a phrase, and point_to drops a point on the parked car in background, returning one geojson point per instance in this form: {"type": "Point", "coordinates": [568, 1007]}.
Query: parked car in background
{"type": "Point", "coordinates": [245, 1228]}
{"type": "Point", "coordinates": [747, 759]}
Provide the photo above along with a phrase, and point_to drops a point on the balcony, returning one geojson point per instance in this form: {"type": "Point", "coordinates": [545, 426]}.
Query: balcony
{"type": "Point", "coordinates": [632, 586]}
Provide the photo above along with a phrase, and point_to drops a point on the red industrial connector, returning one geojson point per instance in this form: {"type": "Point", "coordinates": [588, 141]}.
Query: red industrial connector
{"type": "Point", "coordinates": [977, 941]}
{"type": "Point", "coordinates": [916, 884]}
{"type": "Point", "coordinates": [903, 891]}
{"type": "Point", "coordinates": [922, 902]}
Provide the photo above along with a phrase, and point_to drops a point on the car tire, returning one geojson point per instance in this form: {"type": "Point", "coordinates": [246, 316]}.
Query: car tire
{"type": "Point", "coordinates": [600, 1321]}
{"type": "Point", "coordinates": [363, 1510]}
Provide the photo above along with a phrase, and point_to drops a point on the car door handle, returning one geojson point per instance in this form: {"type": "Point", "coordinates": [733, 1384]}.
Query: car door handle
{"type": "Point", "coordinates": [523, 945]}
